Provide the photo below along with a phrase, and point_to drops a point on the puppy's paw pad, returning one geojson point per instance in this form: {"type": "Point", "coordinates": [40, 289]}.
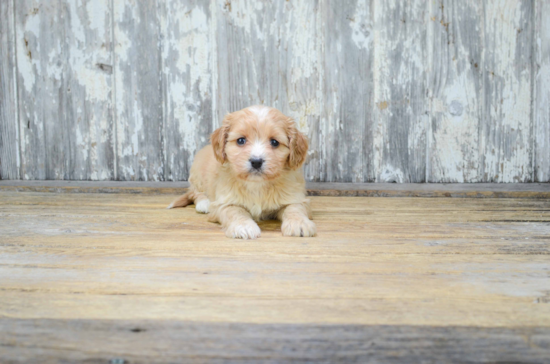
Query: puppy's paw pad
{"type": "Point", "coordinates": [247, 230]}
{"type": "Point", "coordinates": [302, 227]}
{"type": "Point", "coordinates": [203, 206]}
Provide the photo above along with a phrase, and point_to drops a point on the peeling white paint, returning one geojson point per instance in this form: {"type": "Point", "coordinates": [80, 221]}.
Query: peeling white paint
{"type": "Point", "coordinates": [188, 36]}
{"type": "Point", "coordinates": [95, 10]}
{"type": "Point", "coordinates": [390, 174]}
{"type": "Point", "coordinates": [471, 130]}
{"type": "Point", "coordinates": [360, 25]}
{"type": "Point", "coordinates": [25, 62]}
{"type": "Point", "coordinates": [193, 48]}
{"type": "Point", "coordinates": [81, 144]}
{"type": "Point", "coordinates": [305, 58]}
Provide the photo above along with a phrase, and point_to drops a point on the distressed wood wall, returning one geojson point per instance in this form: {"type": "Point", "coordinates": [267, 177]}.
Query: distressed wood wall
{"type": "Point", "coordinates": [386, 90]}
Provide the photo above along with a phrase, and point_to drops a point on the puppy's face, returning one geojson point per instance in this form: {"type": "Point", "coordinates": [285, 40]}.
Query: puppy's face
{"type": "Point", "coordinates": [259, 143]}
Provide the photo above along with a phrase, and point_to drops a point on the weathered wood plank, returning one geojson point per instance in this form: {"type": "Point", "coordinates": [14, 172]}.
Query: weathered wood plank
{"type": "Point", "coordinates": [467, 262]}
{"type": "Point", "coordinates": [187, 46]}
{"type": "Point", "coordinates": [400, 88]}
{"type": "Point", "coordinates": [137, 341]}
{"type": "Point", "coordinates": [9, 127]}
{"type": "Point", "coordinates": [31, 119]}
{"type": "Point", "coordinates": [302, 87]}
{"type": "Point", "coordinates": [347, 133]}
{"type": "Point", "coordinates": [411, 91]}
{"type": "Point", "coordinates": [456, 89]}
{"type": "Point", "coordinates": [120, 278]}
{"type": "Point", "coordinates": [542, 91]}
{"type": "Point", "coordinates": [64, 74]}
{"type": "Point", "coordinates": [271, 53]}
{"type": "Point", "coordinates": [506, 128]}
{"type": "Point", "coordinates": [456, 190]}
{"type": "Point", "coordinates": [138, 84]}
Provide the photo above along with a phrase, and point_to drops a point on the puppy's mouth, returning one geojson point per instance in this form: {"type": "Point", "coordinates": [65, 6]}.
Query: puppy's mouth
{"type": "Point", "coordinates": [254, 174]}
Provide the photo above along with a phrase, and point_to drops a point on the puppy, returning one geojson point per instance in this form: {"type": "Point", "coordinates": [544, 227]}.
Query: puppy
{"type": "Point", "coordinates": [251, 172]}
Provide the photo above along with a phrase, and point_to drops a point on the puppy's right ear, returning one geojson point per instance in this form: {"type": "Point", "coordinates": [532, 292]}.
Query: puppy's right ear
{"type": "Point", "coordinates": [218, 139]}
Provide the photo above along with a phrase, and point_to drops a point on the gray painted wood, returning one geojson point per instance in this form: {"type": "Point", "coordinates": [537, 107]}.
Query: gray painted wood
{"type": "Point", "coordinates": [542, 92]}
{"type": "Point", "coordinates": [9, 133]}
{"type": "Point", "coordinates": [404, 91]}
{"type": "Point", "coordinates": [400, 109]}
{"type": "Point", "coordinates": [138, 86]}
{"type": "Point", "coordinates": [456, 91]}
{"type": "Point", "coordinates": [187, 75]}
{"type": "Point", "coordinates": [137, 341]}
{"type": "Point", "coordinates": [347, 132]}
{"type": "Point", "coordinates": [64, 78]}
{"type": "Point", "coordinates": [445, 190]}
{"type": "Point", "coordinates": [506, 126]}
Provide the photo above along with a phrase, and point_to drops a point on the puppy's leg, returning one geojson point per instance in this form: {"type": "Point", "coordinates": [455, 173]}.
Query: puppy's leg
{"type": "Point", "coordinates": [183, 200]}
{"type": "Point", "coordinates": [236, 222]}
{"type": "Point", "coordinates": [202, 203]}
{"type": "Point", "coordinates": [296, 220]}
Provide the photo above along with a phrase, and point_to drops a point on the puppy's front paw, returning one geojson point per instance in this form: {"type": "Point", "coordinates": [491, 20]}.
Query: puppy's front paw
{"type": "Point", "coordinates": [246, 230]}
{"type": "Point", "coordinates": [203, 206]}
{"type": "Point", "coordinates": [298, 227]}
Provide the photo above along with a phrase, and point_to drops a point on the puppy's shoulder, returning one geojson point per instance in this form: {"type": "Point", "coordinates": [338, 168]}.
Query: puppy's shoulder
{"type": "Point", "coordinates": [204, 169]}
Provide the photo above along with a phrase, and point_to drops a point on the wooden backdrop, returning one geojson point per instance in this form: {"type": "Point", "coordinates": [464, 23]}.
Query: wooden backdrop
{"type": "Point", "coordinates": [386, 90]}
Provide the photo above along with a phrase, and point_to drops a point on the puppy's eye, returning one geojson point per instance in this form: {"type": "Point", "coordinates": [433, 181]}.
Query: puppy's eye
{"type": "Point", "coordinates": [241, 141]}
{"type": "Point", "coordinates": [274, 143]}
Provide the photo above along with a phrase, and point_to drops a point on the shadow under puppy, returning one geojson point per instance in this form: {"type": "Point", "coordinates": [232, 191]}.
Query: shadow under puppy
{"type": "Point", "coordinates": [251, 172]}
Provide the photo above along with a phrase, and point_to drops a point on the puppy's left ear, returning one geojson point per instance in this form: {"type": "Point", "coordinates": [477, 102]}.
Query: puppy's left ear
{"type": "Point", "coordinates": [298, 146]}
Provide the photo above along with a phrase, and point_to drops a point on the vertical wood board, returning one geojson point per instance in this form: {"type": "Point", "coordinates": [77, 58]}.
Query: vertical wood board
{"type": "Point", "coordinates": [187, 83]}
{"type": "Point", "coordinates": [400, 73]}
{"type": "Point", "coordinates": [347, 133]}
{"type": "Point", "coordinates": [506, 126]}
{"type": "Point", "coordinates": [138, 85]}
{"type": "Point", "coordinates": [64, 74]}
{"type": "Point", "coordinates": [456, 91]}
{"type": "Point", "coordinates": [9, 133]}
{"type": "Point", "coordinates": [542, 91]}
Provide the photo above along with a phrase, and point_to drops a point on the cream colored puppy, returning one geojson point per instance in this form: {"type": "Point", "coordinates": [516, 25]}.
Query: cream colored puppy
{"type": "Point", "coordinates": [251, 172]}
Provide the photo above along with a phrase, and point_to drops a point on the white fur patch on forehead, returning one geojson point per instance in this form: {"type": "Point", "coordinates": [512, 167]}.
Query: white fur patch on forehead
{"type": "Point", "coordinates": [261, 111]}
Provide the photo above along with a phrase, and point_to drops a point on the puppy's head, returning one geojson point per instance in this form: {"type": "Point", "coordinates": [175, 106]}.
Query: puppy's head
{"type": "Point", "coordinates": [259, 143]}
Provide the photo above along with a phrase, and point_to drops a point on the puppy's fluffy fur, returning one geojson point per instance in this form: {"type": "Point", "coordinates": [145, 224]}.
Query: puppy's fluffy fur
{"type": "Point", "coordinates": [227, 183]}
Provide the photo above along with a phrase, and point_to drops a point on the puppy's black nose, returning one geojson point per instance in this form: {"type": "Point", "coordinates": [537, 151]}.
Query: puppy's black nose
{"type": "Point", "coordinates": [256, 163]}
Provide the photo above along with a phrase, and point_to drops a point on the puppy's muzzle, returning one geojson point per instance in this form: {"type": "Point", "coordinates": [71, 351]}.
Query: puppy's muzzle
{"type": "Point", "coordinates": [256, 163]}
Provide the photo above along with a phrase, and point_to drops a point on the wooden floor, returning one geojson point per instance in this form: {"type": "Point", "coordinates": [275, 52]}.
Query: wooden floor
{"type": "Point", "coordinates": [117, 278]}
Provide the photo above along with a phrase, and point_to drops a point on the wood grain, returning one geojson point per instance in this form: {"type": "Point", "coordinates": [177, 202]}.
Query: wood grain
{"type": "Point", "coordinates": [456, 88]}
{"type": "Point", "coordinates": [9, 128]}
{"type": "Point", "coordinates": [347, 133]}
{"type": "Point", "coordinates": [138, 84]}
{"type": "Point", "coordinates": [400, 88]}
{"type": "Point", "coordinates": [399, 261]}
{"type": "Point", "coordinates": [506, 129]}
{"type": "Point", "coordinates": [64, 77]}
{"type": "Point", "coordinates": [454, 277]}
{"type": "Point", "coordinates": [141, 341]}
{"type": "Point", "coordinates": [187, 83]}
{"type": "Point", "coordinates": [415, 91]}
{"type": "Point", "coordinates": [542, 98]}
{"type": "Point", "coordinates": [455, 190]}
